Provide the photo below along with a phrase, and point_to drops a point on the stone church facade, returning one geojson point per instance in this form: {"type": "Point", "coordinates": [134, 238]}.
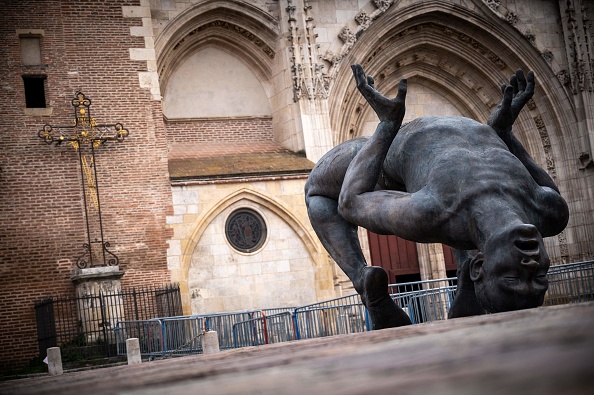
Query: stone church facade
{"type": "Point", "coordinates": [228, 105]}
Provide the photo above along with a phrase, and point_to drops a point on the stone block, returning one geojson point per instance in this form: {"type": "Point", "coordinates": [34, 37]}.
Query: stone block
{"type": "Point", "coordinates": [136, 12]}
{"type": "Point", "coordinates": [54, 361]}
{"type": "Point", "coordinates": [210, 343]}
{"type": "Point", "coordinates": [133, 351]}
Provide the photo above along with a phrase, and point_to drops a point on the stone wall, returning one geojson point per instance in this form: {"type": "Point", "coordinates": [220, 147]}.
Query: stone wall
{"type": "Point", "coordinates": [290, 269]}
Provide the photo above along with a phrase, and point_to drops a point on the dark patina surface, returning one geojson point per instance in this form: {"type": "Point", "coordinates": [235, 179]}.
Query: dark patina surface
{"type": "Point", "coordinates": [448, 180]}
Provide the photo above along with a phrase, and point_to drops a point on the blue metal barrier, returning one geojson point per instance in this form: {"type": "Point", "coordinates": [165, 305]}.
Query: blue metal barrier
{"type": "Point", "coordinates": [270, 329]}
{"type": "Point", "coordinates": [424, 301]}
{"type": "Point", "coordinates": [332, 317]}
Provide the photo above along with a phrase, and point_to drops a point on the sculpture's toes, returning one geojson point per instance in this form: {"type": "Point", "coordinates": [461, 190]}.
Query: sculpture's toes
{"type": "Point", "coordinates": [383, 312]}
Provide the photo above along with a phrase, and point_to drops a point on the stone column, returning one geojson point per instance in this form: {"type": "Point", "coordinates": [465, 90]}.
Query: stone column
{"type": "Point", "coordinates": [98, 314]}
{"type": "Point", "coordinates": [432, 266]}
{"type": "Point", "coordinates": [431, 261]}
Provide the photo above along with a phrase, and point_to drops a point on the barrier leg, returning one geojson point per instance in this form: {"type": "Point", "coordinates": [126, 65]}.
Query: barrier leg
{"type": "Point", "coordinates": [54, 361]}
{"type": "Point", "coordinates": [133, 351]}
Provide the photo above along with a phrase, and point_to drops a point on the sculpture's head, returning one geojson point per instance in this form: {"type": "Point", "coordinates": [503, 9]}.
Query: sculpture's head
{"type": "Point", "coordinates": [511, 272]}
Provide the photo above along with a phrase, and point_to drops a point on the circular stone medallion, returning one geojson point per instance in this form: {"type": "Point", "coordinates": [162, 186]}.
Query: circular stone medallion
{"type": "Point", "coordinates": [245, 230]}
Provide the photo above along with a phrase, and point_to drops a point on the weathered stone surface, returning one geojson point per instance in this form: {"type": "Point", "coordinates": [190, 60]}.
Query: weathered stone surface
{"type": "Point", "coordinates": [540, 351]}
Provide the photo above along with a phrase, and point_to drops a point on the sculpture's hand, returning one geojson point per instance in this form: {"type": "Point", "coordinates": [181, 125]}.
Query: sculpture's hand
{"type": "Point", "coordinates": [515, 96]}
{"type": "Point", "coordinates": [390, 110]}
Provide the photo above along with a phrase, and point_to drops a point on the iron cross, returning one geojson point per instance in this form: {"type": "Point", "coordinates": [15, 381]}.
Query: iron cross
{"type": "Point", "coordinates": [85, 135]}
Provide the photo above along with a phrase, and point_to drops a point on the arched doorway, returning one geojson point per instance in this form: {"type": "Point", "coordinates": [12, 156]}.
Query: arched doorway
{"type": "Point", "coordinates": [400, 258]}
{"type": "Point", "coordinates": [397, 256]}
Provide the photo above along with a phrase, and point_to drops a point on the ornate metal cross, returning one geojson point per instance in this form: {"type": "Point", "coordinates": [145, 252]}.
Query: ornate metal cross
{"type": "Point", "coordinates": [85, 135]}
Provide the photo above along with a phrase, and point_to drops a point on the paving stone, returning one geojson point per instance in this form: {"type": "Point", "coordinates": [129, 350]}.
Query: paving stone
{"type": "Point", "coordinates": [549, 350]}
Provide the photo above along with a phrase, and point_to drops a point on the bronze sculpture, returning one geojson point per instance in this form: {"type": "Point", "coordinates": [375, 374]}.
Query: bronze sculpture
{"type": "Point", "coordinates": [448, 180]}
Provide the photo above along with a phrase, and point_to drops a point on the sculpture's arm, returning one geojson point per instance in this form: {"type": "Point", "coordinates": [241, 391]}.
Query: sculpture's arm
{"type": "Point", "coordinates": [515, 97]}
{"type": "Point", "coordinates": [388, 110]}
{"type": "Point", "coordinates": [381, 211]}
{"type": "Point", "coordinates": [390, 113]}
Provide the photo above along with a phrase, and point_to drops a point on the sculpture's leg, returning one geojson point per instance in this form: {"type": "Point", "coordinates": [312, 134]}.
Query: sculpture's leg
{"type": "Point", "coordinates": [465, 303]}
{"type": "Point", "coordinates": [340, 239]}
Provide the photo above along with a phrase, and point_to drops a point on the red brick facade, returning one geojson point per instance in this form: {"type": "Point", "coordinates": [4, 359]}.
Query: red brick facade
{"type": "Point", "coordinates": [215, 130]}
{"type": "Point", "coordinates": [85, 46]}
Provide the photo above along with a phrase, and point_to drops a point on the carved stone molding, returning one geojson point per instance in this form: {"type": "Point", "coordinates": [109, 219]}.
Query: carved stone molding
{"type": "Point", "coordinates": [383, 5]}
{"type": "Point", "coordinates": [564, 77]}
{"type": "Point", "coordinates": [349, 37]}
{"type": "Point", "coordinates": [363, 19]}
{"type": "Point", "coordinates": [531, 37]}
{"type": "Point", "coordinates": [438, 30]}
{"type": "Point", "coordinates": [579, 36]}
{"type": "Point", "coordinates": [563, 247]}
{"type": "Point", "coordinates": [232, 28]}
{"type": "Point", "coordinates": [309, 80]}
{"type": "Point", "coordinates": [546, 145]}
{"type": "Point", "coordinates": [511, 18]}
{"type": "Point", "coordinates": [493, 4]}
{"type": "Point", "coordinates": [547, 55]}
{"type": "Point", "coordinates": [578, 32]}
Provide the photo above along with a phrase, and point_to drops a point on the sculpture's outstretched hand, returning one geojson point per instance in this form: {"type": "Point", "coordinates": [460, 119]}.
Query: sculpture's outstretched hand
{"type": "Point", "coordinates": [515, 96]}
{"type": "Point", "coordinates": [390, 110]}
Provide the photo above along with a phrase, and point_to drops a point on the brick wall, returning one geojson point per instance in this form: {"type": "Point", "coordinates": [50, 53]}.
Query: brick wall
{"type": "Point", "coordinates": [220, 130]}
{"type": "Point", "coordinates": [85, 47]}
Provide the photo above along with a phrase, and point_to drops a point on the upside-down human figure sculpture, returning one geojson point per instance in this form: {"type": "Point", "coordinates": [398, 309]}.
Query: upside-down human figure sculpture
{"type": "Point", "coordinates": [448, 180]}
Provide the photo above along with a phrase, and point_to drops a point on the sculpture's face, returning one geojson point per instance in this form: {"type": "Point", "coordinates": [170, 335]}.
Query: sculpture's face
{"type": "Point", "coordinates": [514, 271]}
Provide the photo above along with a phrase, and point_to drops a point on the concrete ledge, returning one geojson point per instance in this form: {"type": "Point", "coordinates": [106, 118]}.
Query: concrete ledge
{"type": "Point", "coordinates": [92, 273]}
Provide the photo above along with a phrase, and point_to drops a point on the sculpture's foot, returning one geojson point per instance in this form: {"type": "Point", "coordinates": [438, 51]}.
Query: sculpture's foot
{"type": "Point", "coordinates": [383, 311]}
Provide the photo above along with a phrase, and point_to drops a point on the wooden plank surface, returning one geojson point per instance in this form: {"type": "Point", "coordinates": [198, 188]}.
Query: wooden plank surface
{"type": "Point", "coordinates": [549, 350]}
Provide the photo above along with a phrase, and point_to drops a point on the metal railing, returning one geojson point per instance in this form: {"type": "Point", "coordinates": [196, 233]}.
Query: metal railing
{"type": "Point", "coordinates": [423, 301]}
{"type": "Point", "coordinates": [83, 326]}
{"type": "Point", "coordinates": [333, 317]}
{"type": "Point", "coordinates": [570, 283]}
{"type": "Point", "coordinates": [270, 329]}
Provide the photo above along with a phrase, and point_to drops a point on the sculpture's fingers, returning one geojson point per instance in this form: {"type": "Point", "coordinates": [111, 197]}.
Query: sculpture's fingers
{"type": "Point", "coordinates": [513, 81]}
{"type": "Point", "coordinates": [366, 90]}
{"type": "Point", "coordinates": [508, 95]}
{"type": "Point", "coordinates": [359, 75]}
{"type": "Point", "coordinates": [503, 86]}
{"type": "Point", "coordinates": [526, 86]}
{"type": "Point", "coordinates": [370, 81]}
{"type": "Point", "coordinates": [530, 83]}
{"type": "Point", "coordinates": [402, 87]}
{"type": "Point", "coordinates": [521, 80]}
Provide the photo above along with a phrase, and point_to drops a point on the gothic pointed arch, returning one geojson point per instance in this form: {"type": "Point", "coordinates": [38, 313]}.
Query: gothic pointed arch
{"type": "Point", "coordinates": [236, 27]}
{"type": "Point", "coordinates": [467, 55]}
{"type": "Point", "coordinates": [195, 233]}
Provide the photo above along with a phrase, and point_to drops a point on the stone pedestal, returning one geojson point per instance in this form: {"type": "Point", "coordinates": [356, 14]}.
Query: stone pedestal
{"type": "Point", "coordinates": [210, 342]}
{"type": "Point", "coordinates": [100, 303]}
